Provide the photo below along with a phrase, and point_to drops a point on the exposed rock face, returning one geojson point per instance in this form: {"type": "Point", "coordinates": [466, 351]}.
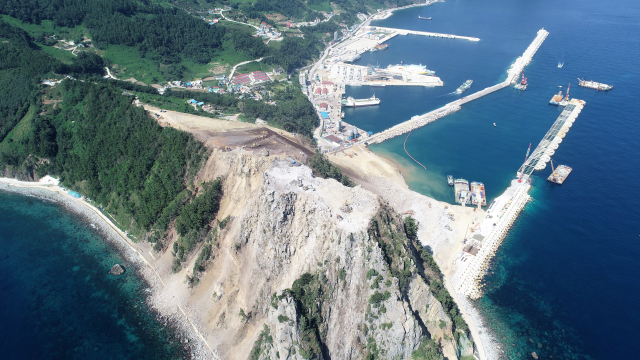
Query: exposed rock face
{"type": "Point", "coordinates": [117, 270]}
{"type": "Point", "coordinates": [352, 304]}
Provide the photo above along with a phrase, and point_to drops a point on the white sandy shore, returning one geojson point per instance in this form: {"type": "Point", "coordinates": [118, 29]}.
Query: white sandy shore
{"type": "Point", "coordinates": [48, 190]}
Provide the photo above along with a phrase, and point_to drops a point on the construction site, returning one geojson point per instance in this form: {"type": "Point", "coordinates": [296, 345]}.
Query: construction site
{"type": "Point", "coordinates": [229, 135]}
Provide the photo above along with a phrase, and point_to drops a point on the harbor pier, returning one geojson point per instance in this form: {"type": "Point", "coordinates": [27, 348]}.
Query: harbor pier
{"type": "Point", "coordinates": [421, 120]}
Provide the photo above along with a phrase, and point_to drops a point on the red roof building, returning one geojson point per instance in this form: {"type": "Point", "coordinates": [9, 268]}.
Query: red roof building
{"type": "Point", "coordinates": [327, 83]}
{"type": "Point", "coordinates": [323, 106]}
{"type": "Point", "coordinates": [324, 91]}
{"type": "Point", "coordinates": [318, 91]}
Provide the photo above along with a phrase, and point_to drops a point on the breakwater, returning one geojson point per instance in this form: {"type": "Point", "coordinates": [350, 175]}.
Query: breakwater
{"type": "Point", "coordinates": [422, 33]}
{"type": "Point", "coordinates": [504, 210]}
{"type": "Point", "coordinates": [500, 217]}
{"type": "Point", "coordinates": [414, 123]}
{"type": "Point", "coordinates": [421, 120]}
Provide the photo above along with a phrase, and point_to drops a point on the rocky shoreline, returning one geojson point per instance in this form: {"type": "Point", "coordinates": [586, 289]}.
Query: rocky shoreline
{"type": "Point", "coordinates": [167, 314]}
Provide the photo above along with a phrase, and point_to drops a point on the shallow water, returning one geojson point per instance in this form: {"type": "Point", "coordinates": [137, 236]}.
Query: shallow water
{"type": "Point", "coordinates": [566, 276]}
{"type": "Point", "coordinates": [58, 300]}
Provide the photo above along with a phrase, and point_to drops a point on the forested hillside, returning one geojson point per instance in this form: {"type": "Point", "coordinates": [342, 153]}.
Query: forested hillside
{"type": "Point", "coordinates": [167, 36]}
{"type": "Point", "coordinates": [92, 137]}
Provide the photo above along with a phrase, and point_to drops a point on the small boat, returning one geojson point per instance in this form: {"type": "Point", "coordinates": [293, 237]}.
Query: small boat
{"type": "Point", "coordinates": [560, 86]}
{"type": "Point", "coordinates": [494, 124]}
{"type": "Point", "coordinates": [424, 18]}
{"type": "Point", "coordinates": [560, 65]}
{"type": "Point", "coordinates": [450, 180]}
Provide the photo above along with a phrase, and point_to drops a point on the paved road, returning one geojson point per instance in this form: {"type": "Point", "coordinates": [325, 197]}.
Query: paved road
{"type": "Point", "coordinates": [237, 22]}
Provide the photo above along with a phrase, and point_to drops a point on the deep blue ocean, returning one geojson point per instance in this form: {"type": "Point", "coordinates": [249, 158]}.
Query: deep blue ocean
{"type": "Point", "coordinates": [57, 300]}
{"type": "Point", "coordinates": [568, 276]}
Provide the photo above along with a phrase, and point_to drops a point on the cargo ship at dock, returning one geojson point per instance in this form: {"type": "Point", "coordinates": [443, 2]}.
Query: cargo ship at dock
{"type": "Point", "coordinates": [464, 86]}
{"type": "Point", "coordinates": [411, 68]}
{"type": "Point", "coordinates": [351, 102]}
{"type": "Point", "coordinates": [478, 196]}
{"type": "Point", "coordinates": [594, 85]}
{"type": "Point", "coordinates": [379, 47]}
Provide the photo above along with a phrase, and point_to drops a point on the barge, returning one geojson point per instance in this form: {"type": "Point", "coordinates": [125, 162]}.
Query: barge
{"type": "Point", "coordinates": [461, 188]}
{"type": "Point", "coordinates": [560, 174]}
{"type": "Point", "coordinates": [478, 196]}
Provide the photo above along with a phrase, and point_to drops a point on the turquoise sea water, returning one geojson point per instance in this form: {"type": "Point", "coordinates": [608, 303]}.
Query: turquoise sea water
{"type": "Point", "coordinates": [57, 300]}
{"type": "Point", "coordinates": [567, 275]}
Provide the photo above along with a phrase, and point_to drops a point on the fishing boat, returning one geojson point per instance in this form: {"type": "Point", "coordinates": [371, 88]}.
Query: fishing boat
{"type": "Point", "coordinates": [464, 86]}
{"type": "Point", "coordinates": [450, 180]}
{"type": "Point", "coordinates": [424, 18]}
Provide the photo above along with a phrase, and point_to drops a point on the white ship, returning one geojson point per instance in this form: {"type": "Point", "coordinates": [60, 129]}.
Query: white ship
{"type": "Point", "coordinates": [594, 85]}
{"type": "Point", "coordinates": [351, 102]}
{"type": "Point", "coordinates": [411, 68]}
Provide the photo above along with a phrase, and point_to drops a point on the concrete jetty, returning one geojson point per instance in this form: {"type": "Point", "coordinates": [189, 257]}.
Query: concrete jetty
{"type": "Point", "coordinates": [421, 120]}
{"type": "Point", "coordinates": [423, 33]}
{"type": "Point", "coordinates": [504, 210]}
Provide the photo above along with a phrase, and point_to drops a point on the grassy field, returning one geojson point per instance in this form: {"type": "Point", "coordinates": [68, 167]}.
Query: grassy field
{"type": "Point", "coordinates": [13, 143]}
{"type": "Point", "coordinates": [127, 63]}
{"type": "Point", "coordinates": [253, 66]}
{"type": "Point", "coordinates": [48, 27]}
{"type": "Point", "coordinates": [324, 6]}
{"type": "Point", "coordinates": [62, 55]}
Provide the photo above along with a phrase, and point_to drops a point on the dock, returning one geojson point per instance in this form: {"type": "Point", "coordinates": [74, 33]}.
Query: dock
{"type": "Point", "coordinates": [422, 120]}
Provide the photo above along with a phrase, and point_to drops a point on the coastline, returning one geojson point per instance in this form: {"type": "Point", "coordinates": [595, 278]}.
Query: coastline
{"type": "Point", "coordinates": [487, 344]}
{"type": "Point", "coordinates": [172, 315]}
{"type": "Point", "coordinates": [383, 176]}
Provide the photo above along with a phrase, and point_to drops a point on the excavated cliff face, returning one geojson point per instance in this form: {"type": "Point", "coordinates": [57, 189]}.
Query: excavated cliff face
{"type": "Point", "coordinates": [287, 226]}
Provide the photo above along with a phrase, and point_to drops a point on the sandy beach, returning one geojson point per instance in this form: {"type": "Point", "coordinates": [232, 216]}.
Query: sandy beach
{"type": "Point", "coordinates": [171, 313]}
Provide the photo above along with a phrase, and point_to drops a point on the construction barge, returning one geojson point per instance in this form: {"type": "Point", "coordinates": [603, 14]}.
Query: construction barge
{"type": "Point", "coordinates": [478, 196]}
{"type": "Point", "coordinates": [461, 188]}
{"type": "Point", "coordinates": [559, 174]}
